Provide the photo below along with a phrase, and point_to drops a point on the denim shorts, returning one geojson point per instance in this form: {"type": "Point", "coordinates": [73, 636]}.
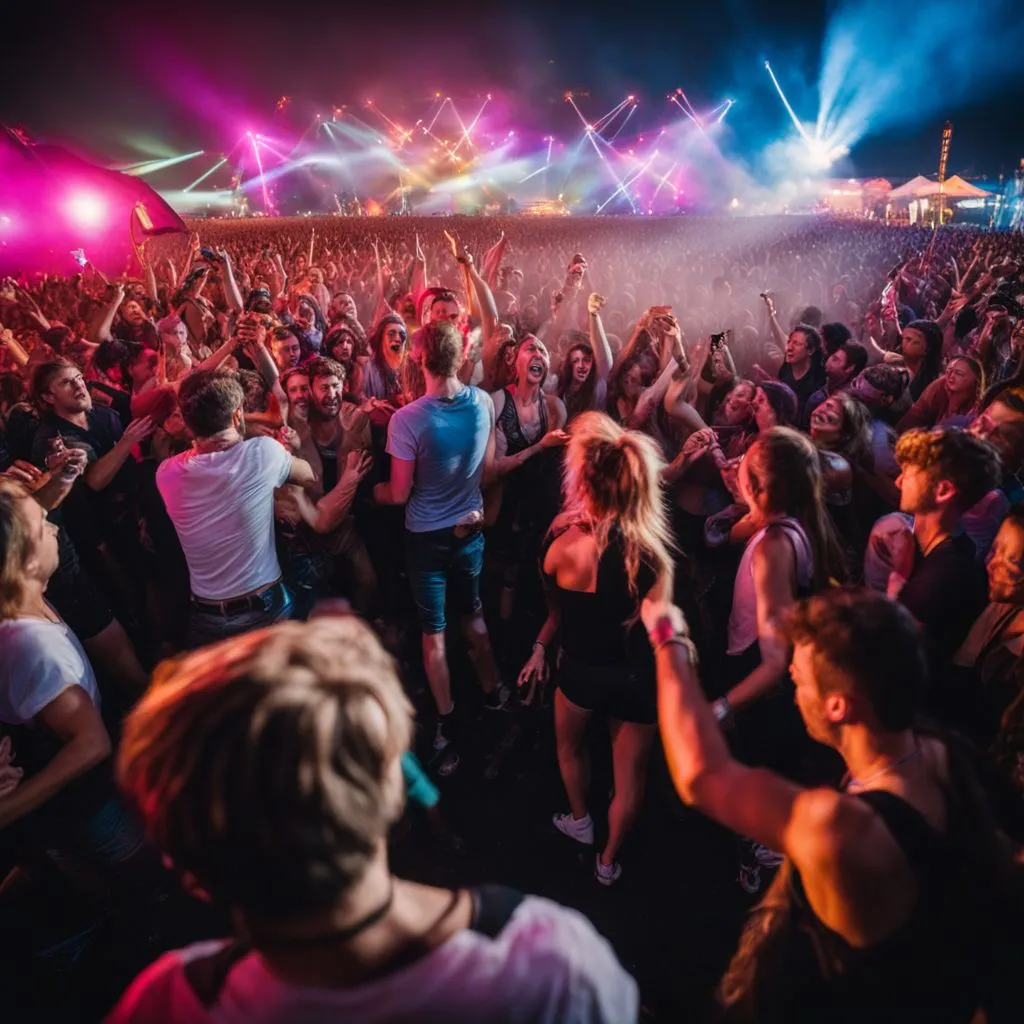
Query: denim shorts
{"type": "Point", "coordinates": [440, 565]}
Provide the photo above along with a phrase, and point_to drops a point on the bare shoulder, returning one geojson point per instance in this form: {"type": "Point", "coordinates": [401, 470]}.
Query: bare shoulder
{"type": "Point", "coordinates": [774, 550]}
{"type": "Point", "coordinates": [573, 552]}
{"type": "Point", "coordinates": [836, 834]}
{"type": "Point", "coordinates": [556, 412]}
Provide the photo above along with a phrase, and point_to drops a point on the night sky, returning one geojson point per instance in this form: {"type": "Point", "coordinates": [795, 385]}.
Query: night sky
{"type": "Point", "coordinates": [118, 84]}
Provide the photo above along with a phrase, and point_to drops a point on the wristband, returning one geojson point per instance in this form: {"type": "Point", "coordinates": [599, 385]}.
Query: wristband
{"type": "Point", "coordinates": [722, 709]}
{"type": "Point", "coordinates": [537, 644]}
{"type": "Point", "coordinates": [664, 630]}
{"type": "Point", "coordinates": [679, 640]}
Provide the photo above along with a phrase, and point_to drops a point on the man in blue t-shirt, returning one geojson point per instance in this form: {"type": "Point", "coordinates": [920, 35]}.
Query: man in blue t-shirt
{"type": "Point", "coordinates": [441, 447]}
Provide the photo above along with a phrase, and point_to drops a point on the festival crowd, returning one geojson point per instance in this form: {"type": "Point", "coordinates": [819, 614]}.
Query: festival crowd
{"type": "Point", "coordinates": [745, 492]}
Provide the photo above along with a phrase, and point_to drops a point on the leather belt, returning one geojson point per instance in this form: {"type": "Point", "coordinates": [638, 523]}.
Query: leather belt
{"type": "Point", "coordinates": [235, 605]}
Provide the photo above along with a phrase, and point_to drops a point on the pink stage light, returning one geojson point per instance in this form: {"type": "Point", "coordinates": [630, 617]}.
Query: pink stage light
{"type": "Point", "coordinates": [86, 209]}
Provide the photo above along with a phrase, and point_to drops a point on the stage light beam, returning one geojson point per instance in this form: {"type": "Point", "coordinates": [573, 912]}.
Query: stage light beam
{"type": "Point", "coordinates": [202, 177]}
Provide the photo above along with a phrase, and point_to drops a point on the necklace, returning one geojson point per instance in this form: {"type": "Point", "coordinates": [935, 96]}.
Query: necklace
{"type": "Point", "coordinates": [861, 783]}
{"type": "Point", "coordinates": [337, 934]}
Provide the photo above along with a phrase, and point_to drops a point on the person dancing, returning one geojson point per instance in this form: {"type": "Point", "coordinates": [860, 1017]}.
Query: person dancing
{"type": "Point", "coordinates": [604, 552]}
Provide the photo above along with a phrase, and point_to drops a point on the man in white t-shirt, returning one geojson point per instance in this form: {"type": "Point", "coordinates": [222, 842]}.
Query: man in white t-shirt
{"type": "Point", "coordinates": [291, 833]}
{"type": "Point", "coordinates": [220, 497]}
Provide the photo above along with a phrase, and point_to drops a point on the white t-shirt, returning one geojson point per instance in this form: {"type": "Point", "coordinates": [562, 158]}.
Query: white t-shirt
{"type": "Point", "coordinates": [548, 964]}
{"type": "Point", "coordinates": [39, 660]}
{"type": "Point", "coordinates": [222, 506]}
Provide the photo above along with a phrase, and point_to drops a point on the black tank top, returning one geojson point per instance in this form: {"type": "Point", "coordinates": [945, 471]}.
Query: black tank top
{"type": "Point", "coordinates": [604, 628]}
{"type": "Point", "coordinates": [516, 440]}
{"type": "Point", "coordinates": [928, 970]}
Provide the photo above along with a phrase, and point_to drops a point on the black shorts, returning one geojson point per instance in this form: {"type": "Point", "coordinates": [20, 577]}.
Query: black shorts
{"type": "Point", "coordinates": [618, 691]}
{"type": "Point", "coordinates": [77, 600]}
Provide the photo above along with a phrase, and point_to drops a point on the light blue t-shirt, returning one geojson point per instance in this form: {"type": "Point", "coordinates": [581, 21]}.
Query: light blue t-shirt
{"type": "Point", "coordinates": [447, 439]}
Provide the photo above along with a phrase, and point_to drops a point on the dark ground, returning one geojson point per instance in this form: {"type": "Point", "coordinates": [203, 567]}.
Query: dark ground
{"type": "Point", "coordinates": [673, 917]}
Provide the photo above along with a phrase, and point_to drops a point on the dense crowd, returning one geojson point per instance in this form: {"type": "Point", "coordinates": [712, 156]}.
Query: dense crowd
{"type": "Point", "coordinates": [748, 491]}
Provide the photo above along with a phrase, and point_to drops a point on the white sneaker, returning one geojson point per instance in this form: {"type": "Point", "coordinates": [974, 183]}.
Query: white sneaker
{"type": "Point", "coordinates": [750, 878]}
{"type": "Point", "coordinates": [441, 741]}
{"type": "Point", "coordinates": [607, 874]}
{"type": "Point", "coordinates": [449, 763]}
{"type": "Point", "coordinates": [767, 858]}
{"type": "Point", "coordinates": [581, 830]}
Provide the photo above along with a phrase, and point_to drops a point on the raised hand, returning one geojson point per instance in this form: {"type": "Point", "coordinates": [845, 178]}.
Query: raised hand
{"type": "Point", "coordinates": [138, 430]}
{"type": "Point", "coordinates": [458, 249]}
{"type": "Point", "coordinates": [24, 473]}
{"type": "Point", "coordinates": [594, 303]}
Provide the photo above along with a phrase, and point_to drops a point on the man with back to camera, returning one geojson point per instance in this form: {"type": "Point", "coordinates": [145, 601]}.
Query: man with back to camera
{"type": "Point", "coordinates": [441, 446]}
{"type": "Point", "coordinates": [893, 902]}
{"type": "Point", "coordinates": [291, 838]}
{"type": "Point", "coordinates": [220, 497]}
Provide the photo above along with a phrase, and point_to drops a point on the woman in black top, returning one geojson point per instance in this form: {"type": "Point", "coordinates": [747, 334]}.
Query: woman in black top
{"type": "Point", "coordinates": [606, 551]}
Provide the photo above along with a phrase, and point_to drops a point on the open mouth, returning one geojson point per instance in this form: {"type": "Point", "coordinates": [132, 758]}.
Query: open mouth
{"type": "Point", "coordinates": [537, 368]}
{"type": "Point", "coordinates": [396, 346]}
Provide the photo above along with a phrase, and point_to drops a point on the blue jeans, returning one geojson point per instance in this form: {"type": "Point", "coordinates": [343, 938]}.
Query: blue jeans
{"type": "Point", "coordinates": [441, 564]}
{"type": "Point", "coordinates": [207, 628]}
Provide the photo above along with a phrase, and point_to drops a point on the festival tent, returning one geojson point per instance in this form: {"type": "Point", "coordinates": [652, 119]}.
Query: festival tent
{"type": "Point", "coordinates": [57, 209]}
{"type": "Point", "coordinates": [917, 188]}
{"type": "Point", "coordinates": [957, 188]}
{"type": "Point", "coordinates": [952, 188]}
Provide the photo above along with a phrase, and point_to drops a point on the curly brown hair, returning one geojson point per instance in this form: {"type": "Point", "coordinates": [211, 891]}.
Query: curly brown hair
{"type": "Point", "coordinates": [971, 465]}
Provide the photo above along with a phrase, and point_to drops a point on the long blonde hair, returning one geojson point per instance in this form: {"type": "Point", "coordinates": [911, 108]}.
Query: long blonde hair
{"type": "Point", "coordinates": [15, 548]}
{"type": "Point", "coordinates": [612, 478]}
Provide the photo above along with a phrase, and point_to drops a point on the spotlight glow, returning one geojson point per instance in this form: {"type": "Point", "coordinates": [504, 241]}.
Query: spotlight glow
{"type": "Point", "coordinates": [86, 209]}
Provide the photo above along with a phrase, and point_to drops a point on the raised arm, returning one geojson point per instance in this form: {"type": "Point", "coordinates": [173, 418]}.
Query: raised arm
{"type": "Point", "coordinates": [103, 470]}
{"type": "Point", "coordinates": [101, 331]}
{"type": "Point", "coordinates": [418, 281]}
{"type": "Point", "coordinates": [487, 307]}
{"type": "Point", "coordinates": [31, 308]}
{"type": "Point", "coordinates": [232, 293]}
{"type": "Point", "coordinates": [382, 309]}
{"type": "Point", "coordinates": [773, 321]}
{"type": "Point", "coordinates": [8, 341]}
{"type": "Point", "coordinates": [598, 338]}
{"type": "Point", "coordinates": [492, 260]}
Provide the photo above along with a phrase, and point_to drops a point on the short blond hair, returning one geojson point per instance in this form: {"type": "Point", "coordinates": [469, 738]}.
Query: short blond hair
{"type": "Point", "coordinates": [268, 766]}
